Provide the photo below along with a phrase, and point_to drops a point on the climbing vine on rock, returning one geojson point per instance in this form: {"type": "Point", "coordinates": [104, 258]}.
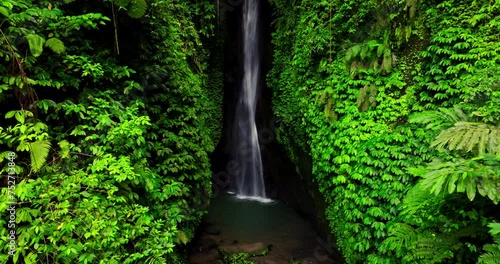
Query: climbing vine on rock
{"type": "Point", "coordinates": [347, 77]}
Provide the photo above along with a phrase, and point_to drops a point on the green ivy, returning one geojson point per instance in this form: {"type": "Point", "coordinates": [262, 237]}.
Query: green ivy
{"type": "Point", "coordinates": [346, 77]}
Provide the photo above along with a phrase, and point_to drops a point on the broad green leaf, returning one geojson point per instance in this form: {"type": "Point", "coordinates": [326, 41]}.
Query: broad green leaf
{"type": "Point", "coordinates": [10, 114]}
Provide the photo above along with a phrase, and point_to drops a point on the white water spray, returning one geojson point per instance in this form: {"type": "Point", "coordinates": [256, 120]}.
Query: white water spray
{"type": "Point", "coordinates": [249, 181]}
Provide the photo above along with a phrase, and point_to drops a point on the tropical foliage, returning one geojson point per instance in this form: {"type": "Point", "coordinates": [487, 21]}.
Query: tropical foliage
{"type": "Point", "coordinates": [113, 107]}
{"type": "Point", "coordinates": [111, 128]}
{"type": "Point", "coordinates": [396, 102]}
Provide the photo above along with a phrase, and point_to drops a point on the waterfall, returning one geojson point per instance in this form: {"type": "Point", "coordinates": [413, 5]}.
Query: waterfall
{"type": "Point", "coordinates": [249, 180]}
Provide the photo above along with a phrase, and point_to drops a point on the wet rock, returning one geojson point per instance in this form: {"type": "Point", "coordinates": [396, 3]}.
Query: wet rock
{"type": "Point", "coordinates": [206, 243]}
{"type": "Point", "coordinates": [205, 257]}
{"type": "Point", "coordinates": [250, 248]}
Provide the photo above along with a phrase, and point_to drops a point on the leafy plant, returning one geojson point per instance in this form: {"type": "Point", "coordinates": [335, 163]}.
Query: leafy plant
{"type": "Point", "coordinates": [111, 180]}
{"type": "Point", "coordinates": [346, 78]}
{"type": "Point", "coordinates": [492, 254]}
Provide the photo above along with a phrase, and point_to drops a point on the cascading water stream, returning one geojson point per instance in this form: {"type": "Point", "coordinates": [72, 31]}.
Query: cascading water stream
{"type": "Point", "coordinates": [246, 151]}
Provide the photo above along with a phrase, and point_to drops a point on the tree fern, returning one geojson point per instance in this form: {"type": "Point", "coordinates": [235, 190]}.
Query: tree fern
{"type": "Point", "coordinates": [39, 150]}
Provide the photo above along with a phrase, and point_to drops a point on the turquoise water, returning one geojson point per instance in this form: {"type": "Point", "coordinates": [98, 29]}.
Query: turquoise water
{"type": "Point", "coordinates": [249, 220]}
{"type": "Point", "coordinates": [243, 221]}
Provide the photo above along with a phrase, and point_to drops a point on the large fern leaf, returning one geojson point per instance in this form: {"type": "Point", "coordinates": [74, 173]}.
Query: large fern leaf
{"type": "Point", "coordinates": [418, 198]}
{"type": "Point", "coordinates": [494, 229]}
{"type": "Point", "coordinates": [137, 8]}
{"type": "Point", "coordinates": [491, 256]}
{"type": "Point", "coordinates": [470, 136]}
{"type": "Point", "coordinates": [492, 251]}
{"type": "Point", "coordinates": [432, 248]}
{"type": "Point", "coordinates": [474, 175]}
{"type": "Point", "coordinates": [39, 150]}
{"type": "Point", "coordinates": [35, 43]}
{"type": "Point", "coordinates": [401, 238]}
{"type": "Point", "coordinates": [438, 120]}
{"type": "Point", "coordinates": [56, 45]}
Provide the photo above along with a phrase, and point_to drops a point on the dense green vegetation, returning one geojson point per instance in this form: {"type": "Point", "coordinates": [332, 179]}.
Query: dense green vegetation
{"type": "Point", "coordinates": [397, 103]}
{"type": "Point", "coordinates": [111, 109]}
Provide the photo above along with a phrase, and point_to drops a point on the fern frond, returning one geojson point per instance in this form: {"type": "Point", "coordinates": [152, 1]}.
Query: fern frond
{"type": "Point", "coordinates": [489, 186]}
{"type": "Point", "coordinates": [4, 11]}
{"type": "Point", "coordinates": [436, 177]}
{"type": "Point", "coordinates": [449, 115]}
{"type": "Point", "coordinates": [464, 175]}
{"type": "Point", "coordinates": [491, 256]}
{"type": "Point", "coordinates": [137, 8]}
{"type": "Point", "coordinates": [155, 260]}
{"type": "Point", "coordinates": [56, 45]}
{"type": "Point", "coordinates": [494, 228]}
{"type": "Point", "coordinates": [492, 251]}
{"type": "Point", "coordinates": [435, 120]}
{"type": "Point", "coordinates": [39, 150]}
{"type": "Point", "coordinates": [494, 141]}
{"type": "Point", "coordinates": [468, 136]}
{"type": "Point", "coordinates": [418, 197]}
{"type": "Point", "coordinates": [35, 43]}
{"type": "Point", "coordinates": [361, 97]}
{"type": "Point", "coordinates": [401, 238]}
{"type": "Point", "coordinates": [366, 97]}
{"type": "Point", "coordinates": [461, 116]}
{"type": "Point", "coordinates": [434, 248]}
